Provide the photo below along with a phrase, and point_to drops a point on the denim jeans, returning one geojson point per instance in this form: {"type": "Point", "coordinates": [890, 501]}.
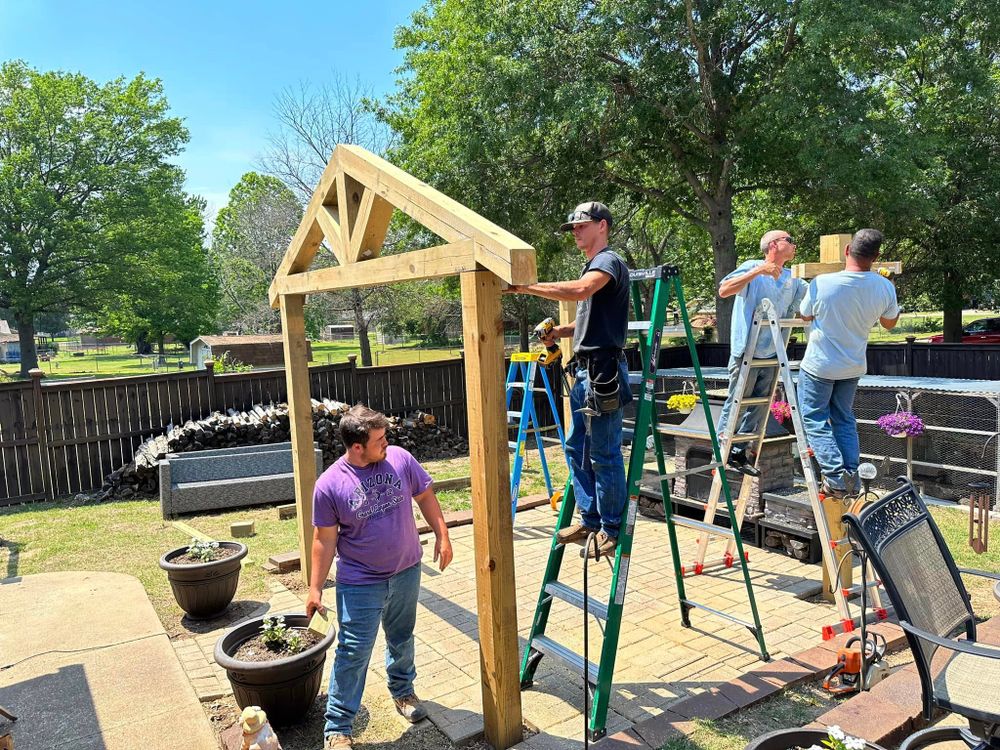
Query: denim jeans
{"type": "Point", "coordinates": [759, 382]}
{"type": "Point", "coordinates": [595, 456]}
{"type": "Point", "coordinates": [360, 609]}
{"type": "Point", "coordinates": [827, 415]}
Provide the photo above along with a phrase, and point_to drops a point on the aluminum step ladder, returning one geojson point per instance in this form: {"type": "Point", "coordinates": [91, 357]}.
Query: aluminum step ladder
{"type": "Point", "coordinates": [666, 283]}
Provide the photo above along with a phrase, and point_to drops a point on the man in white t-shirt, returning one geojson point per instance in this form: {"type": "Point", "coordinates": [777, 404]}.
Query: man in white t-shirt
{"type": "Point", "coordinates": [843, 307]}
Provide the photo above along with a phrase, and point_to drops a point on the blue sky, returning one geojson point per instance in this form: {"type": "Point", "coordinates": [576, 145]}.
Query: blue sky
{"type": "Point", "coordinates": [221, 62]}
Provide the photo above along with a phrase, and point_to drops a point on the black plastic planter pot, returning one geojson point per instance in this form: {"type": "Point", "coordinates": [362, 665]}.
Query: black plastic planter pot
{"type": "Point", "coordinates": [788, 739]}
{"type": "Point", "coordinates": [284, 688]}
{"type": "Point", "coordinates": [204, 589]}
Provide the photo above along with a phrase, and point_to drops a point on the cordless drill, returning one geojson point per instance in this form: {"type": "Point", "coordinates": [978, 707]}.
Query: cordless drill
{"type": "Point", "coordinates": [552, 351]}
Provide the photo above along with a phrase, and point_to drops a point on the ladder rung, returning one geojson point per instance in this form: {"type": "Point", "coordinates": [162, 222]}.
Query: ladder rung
{"type": "Point", "coordinates": [512, 445]}
{"type": "Point", "coordinates": [792, 323]}
{"type": "Point", "coordinates": [708, 528]}
{"type": "Point", "coordinates": [763, 362]}
{"type": "Point", "coordinates": [574, 597]}
{"type": "Point", "coordinates": [680, 431]}
{"type": "Point", "coordinates": [513, 415]}
{"type": "Point", "coordinates": [755, 401]}
{"type": "Point", "coordinates": [516, 384]}
{"type": "Point", "coordinates": [548, 439]}
{"type": "Point", "coordinates": [686, 472]}
{"type": "Point", "coordinates": [561, 654]}
{"type": "Point", "coordinates": [748, 625]}
{"type": "Point", "coordinates": [856, 588]}
{"type": "Point", "coordinates": [643, 325]}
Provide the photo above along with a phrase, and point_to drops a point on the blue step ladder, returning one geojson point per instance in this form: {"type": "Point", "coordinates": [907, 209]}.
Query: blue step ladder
{"type": "Point", "coordinates": [521, 376]}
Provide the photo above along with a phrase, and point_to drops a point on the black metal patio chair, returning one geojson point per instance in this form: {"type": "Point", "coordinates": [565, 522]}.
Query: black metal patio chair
{"type": "Point", "coordinates": [925, 586]}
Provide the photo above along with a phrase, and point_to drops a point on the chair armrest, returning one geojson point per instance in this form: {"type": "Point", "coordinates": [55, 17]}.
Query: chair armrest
{"type": "Point", "coordinates": [980, 573]}
{"type": "Point", "coordinates": [965, 647]}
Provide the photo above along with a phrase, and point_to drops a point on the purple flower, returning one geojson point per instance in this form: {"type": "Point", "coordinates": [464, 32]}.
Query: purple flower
{"type": "Point", "coordinates": [901, 423]}
{"type": "Point", "coordinates": [781, 411]}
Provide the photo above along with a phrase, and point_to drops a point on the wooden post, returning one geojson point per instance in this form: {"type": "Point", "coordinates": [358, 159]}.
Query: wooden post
{"type": "Point", "coordinates": [300, 415]}
{"type": "Point", "coordinates": [834, 511]}
{"type": "Point", "coordinates": [210, 383]}
{"type": "Point", "coordinates": [41, 429]}
{"type": "Point", "coordinates": [567, 314]}
{"type": "Point", "coordinates": [493, 525]}
{"type": "Point", "coordinates": [832, 246]}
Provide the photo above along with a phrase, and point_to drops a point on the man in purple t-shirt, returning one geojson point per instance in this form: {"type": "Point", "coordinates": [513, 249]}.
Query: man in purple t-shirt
{"type": "Point", "coordinates": [363, 513]}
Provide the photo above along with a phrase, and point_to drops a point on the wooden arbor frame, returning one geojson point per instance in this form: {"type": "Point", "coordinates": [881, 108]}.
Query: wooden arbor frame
{"type": "Point", "coordinates": [351, 209]}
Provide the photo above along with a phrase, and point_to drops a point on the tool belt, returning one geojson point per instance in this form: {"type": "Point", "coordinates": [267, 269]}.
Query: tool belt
{"type": "Point", "coordinates": [604, 393]}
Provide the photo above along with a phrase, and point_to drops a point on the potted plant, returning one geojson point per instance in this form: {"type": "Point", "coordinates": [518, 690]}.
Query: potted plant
{"type": "Point", "coordinates": [781, 411]}
{"type": "Point", "coordinates": [682, 402]}
{"type": "Point", "coordinates": [275, 663]}
{"type": "Point", "coordinates": [901, 424]}
{"type": "Point", "coordinates": [204, 575]}
{"type": "Point", "coordinates": [832, 738]}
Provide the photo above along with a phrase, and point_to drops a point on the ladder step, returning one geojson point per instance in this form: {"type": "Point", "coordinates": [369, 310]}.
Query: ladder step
{"type": "Point", "coordinates": [686, 472]}
{"type": "Point", "coordinates": [755, 401]}
{"type": "Point", "coordinates": [680, 431]}
{"type": "Point", "coordinates": [516, 384]}
{"type": "Point", "coordinates": [856, 588]}
{"type": "Point", "coordinates": [725, 615]}
{"type": "Point", "coordinates": [792, 323]}
{"type": "Point", "coordinates": [763, 362]}
{"type": "Point", "coordinates": [513, 415]}
{"type": "Point", "coordinates": [561, 654]}
{"type": "Point", "coordinates": [547, 439]}
{"type": "Point", "coordinates": [708, 528]}
{"type": "Point", "coordinates": [643, 325]}
{"type": "Point", "coordinates": [574, 597]}
{"type": "Point", "coordinates": [512, 445]}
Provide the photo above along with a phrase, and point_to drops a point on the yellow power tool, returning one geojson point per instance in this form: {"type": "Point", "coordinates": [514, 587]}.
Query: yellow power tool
{"type": "Point", "coordinates": [552, 351]}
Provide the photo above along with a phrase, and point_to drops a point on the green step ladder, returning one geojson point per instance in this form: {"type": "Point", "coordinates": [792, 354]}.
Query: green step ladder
{"type": "Point", "coordinates": [667, 282]}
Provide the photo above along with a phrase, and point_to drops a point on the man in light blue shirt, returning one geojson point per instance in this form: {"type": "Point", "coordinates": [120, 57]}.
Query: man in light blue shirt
{"type": "Point", "coordinates": [752, 283]}
{"type": "Point", "coordinates": [843, 307]}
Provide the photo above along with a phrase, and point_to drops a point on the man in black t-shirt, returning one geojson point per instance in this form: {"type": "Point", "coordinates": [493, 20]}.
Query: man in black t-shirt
{"type": "Point", "coordinates": [594, 442]}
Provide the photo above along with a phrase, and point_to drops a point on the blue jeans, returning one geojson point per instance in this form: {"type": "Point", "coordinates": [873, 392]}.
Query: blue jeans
{"type": "Point", "coordinates": [827, 415]}
{"type": "Point", "coordinates": [759, 382]}
{"type": "Point", "coordinates": [595, 456]}
{"type": "Point", "coordinates": [360, 609]}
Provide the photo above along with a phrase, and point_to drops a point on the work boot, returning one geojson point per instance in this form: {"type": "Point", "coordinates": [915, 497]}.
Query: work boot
{"type": "Point", "coordinates": [576, 533]}
{"type": "Point", "coordinates": [739, 460]}
{"type": "Point", "coordinates": [338, 742]}
{"type": "Point", "coordinates": [605, 546]}
{"type": "Point", "coordinates": [837, 493]}
{"type": "Point", "coordinates": [410, 708]}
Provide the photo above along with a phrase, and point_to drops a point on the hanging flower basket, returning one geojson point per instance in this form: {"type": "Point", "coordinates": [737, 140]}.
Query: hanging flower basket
{"type": "Point", "coordinates": [682, 402]}
{"type": "Point", "coordinates": [901, 424]}
{"type": "Point", "coordinates": [781, 411]}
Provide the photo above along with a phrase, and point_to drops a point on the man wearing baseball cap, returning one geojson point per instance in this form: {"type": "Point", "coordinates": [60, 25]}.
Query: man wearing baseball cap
{"type": "Point", "coordinates": [594, 443]}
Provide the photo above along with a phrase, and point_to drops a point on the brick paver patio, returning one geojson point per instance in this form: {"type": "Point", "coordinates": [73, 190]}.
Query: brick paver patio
{"type": "Point", "coordinates": [659, 662]}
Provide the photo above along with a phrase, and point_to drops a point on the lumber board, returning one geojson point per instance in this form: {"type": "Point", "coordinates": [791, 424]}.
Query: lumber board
{"type": "Point", "coordinates": [567, 315]}
{"type": "Point", "coordinates": [492, 526]}
{"type": "Point", "coordinates": [300, 415]}
{"type": "Point", "coordinates": [812, 270]}
{"type": "Point", "coordinates": [307, 238]}
{"type": "Point", "coordinates": [429, 263]}
{"type": "Point", "coordinates": [372, 225]}
{"type": "Point", "coordinates": [832, 246]}
{"type": "Point", "coordinates": [328, 218]}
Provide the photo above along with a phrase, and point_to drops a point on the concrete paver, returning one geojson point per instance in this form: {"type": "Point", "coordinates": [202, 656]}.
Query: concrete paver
{"type": "Point", "coordinates": [80, 679]}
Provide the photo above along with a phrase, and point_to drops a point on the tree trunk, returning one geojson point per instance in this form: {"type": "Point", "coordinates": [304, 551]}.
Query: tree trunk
{"type": "Point", "coordinates": [361, 325]}
{"type": "Point", "coordinates": [952, 302]}
{"type": "Point", "coordinates": [160, 346]}
{"type": "Point", "coordinates": [26, 336]}
{"type": "Point", "coordinates": [720, 227]}
{"type": "Point", "coordinates": [522, 329]}
{"type": "Point", "coordinates": [142, 345]}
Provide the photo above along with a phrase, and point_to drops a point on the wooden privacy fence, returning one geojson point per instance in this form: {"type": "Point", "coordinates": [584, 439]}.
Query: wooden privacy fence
{"type": "Point", "coordinates": [59, 438]}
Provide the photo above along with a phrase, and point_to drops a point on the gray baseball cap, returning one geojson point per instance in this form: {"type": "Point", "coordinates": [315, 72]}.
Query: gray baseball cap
{"type": "Point", "coordinates": [585, 213]}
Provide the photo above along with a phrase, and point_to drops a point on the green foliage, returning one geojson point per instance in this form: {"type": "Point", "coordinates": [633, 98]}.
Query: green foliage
{"type": "Point", "coordinates": [228, 363]}
{"type": "Point", "coordinates": [204, 551]}
{"type": "Point", "coordinates": [73, 154]}
{"type": "Point", "coordinates": [279, 637]}
{"type": "Point", "coordinates": [250, 237]}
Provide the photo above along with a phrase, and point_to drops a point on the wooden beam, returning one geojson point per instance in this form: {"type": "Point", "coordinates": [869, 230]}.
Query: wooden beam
{"type": "Point", "coordinates": [444, 216]}
{"type": "Point", "coordinates": [293, 329]}
{"type": "Point", "coordinates": [812, 270]}
{"type": "Point", "coordinates": [493, 525]}
{"type": "Point", "coordinates": [328, 218]}
{"type": "Point", "coordinates": [567, 314]}
{"type": "Point", "coordinates": [372, 225]}
{"type": "Point", "coordinates": [430, 263]}
{"type": "Point", "coordinates": [302, 249]}
{"type": "Point", "coordinates": [832, 246]}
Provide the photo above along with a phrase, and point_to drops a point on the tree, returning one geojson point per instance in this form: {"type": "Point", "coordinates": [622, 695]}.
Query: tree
{"type": "Point", "coordinates": [167, 285]}
{"type": "Point", "coordinates": [250, 237]}
{"type": "Point", "coordinates": [70, 149]}
{"type": "Point", "coordinates": [313, 120]}
{"type": "Point", "coordinates": [682, 105]}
